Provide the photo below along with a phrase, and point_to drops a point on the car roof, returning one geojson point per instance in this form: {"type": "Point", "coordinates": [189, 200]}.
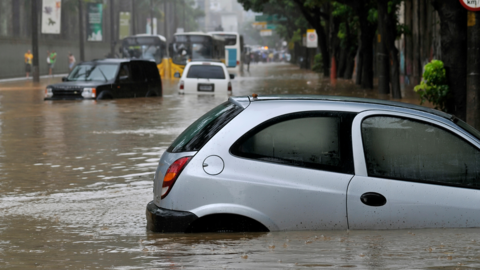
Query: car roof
{"type": "Point", "coordinates": [206, 62]}
{"type": "Point", "coordinates": [369, 102]}
{"type": "Point", "coordinates": [113, 61]}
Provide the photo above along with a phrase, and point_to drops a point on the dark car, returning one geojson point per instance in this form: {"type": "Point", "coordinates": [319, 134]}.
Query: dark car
{"type": "Point", "coordinates": [108, 79]}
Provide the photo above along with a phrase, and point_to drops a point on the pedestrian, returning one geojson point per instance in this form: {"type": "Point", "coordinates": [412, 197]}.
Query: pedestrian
{"type": "Point", "coordinates": [48, 60]}
{"type": "Point", "coordinates": [53, 59]}
{"type": "Point", "coordinates": [28, 62]}
{"type": "Point", "coordinates": [247, 61]}
{"type": "Point", "coordinates": [71, 61]}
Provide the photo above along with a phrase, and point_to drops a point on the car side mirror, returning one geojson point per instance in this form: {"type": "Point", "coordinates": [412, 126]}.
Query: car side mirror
{"type": "Point", "coordinates": [123, 78]}
{"type": "Point", "coordinates": [176, 75]}
{"type": "Point", "coordinates": [64, 79]}
{"type": "Point", "coordinates": [232, 76]}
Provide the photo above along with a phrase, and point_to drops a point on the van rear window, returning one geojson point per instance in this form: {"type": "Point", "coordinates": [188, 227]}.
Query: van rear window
{"type": "Point", "coordinates": [206, 72]}
{"type": "Point", "coordinates": [202, 130]}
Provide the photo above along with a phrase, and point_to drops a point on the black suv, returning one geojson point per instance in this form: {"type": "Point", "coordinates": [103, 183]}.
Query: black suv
{"type": "Point", "coordinates": [108, 79]}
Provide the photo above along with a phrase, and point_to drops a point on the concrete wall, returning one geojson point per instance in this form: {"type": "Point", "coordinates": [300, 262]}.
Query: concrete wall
{"type": "Point", "coordinates": [12, 51]}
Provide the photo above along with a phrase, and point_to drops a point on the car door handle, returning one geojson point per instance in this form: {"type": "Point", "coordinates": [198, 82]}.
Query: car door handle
{"type": "Point", "coordinates": [373, 199]}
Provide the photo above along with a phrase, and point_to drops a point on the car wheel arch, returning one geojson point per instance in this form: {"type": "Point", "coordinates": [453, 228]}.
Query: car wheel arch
{"type": "Point", "coordinates": [105, 95]}
{"type": "Point", "coordinates": [225, 223]}
{"type": "Point", "coordinates": [233, 209]}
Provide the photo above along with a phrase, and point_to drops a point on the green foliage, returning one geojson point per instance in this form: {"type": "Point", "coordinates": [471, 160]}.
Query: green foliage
{"type": "Point", "coordinates": [318, 63]}
{"type": "Point", "coordinates": [433, 87]}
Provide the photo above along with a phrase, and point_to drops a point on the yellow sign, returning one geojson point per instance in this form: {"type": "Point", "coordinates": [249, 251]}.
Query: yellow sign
{"type": "Point", "coordinates": [259, 25]}
{"type": "Point", "coordinates": [471, 19]}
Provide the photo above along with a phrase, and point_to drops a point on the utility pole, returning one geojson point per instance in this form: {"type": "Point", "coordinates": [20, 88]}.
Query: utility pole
{"type": "Point", "coordinates": [184, 25]}
{"type": "Point", "coordinates": [165, 27]}
{"type": "Point", "coordinates": [112, 30]}
{"type": "Point", "coordinates": [151, 17]}
{"type": "Point", "coordinates": [134, 26]}
{"type": "Point", "coordinates": [36, 56]}
{"type": "Point", "coordinates": [473, 69]}
{"type": "Point", "coordinates": [81, 30]}
{"type": "Point", "coordinates": [175, 23]}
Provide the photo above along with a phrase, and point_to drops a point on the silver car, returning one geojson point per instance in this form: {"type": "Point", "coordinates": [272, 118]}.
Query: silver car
{"type": "Point", "coordinates": [278, 163]}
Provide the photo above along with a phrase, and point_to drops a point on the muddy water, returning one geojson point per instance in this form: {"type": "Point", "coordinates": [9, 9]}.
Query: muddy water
{"type": "Point", "coordinates": [75, 177]}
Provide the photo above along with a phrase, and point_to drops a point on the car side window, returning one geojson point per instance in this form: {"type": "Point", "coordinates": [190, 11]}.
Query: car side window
{"type": "Point", "coordinates": [137, 73]}
{"type": "Point", "coordinates": [151, 72]}
{"type": "Point", "coordinates": [406, 149]}
{"type": "Point", "coordinates": [316, 140]}
{"type": "Point", "coordinates": [124, 73]}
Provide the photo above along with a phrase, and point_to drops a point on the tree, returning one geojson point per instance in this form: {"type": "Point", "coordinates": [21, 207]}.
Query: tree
{"type": "Point", "coordinates": [453, 34]}
{"type": "Point", "coordinates": [367, 25]}
{"type": "Point", "coordinates": [311, 11]}
{"type": "Point", "coordinates": [387, 28]}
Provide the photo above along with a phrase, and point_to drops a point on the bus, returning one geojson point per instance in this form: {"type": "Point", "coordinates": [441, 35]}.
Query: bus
{"type": "Point", "coordinates": [145, 46]}
{"type": "Point", "coordinates": [234, 50]}
{"type": "Point", "coordinates": [192, 46]}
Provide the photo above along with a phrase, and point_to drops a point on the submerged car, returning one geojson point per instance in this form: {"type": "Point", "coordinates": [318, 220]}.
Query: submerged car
{"type": "Point", "coordinates": [108, 79]}
{"type": "Point", "coordinates": [205, 77]}
{"type": "Point", "coordinates": [278, 163]}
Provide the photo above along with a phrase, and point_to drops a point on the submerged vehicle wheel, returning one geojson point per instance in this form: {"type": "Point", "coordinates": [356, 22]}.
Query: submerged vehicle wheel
{"type": "Point", "coordinates": [151, 93]}
{"type": "Point", "coordinates": [104, 95]}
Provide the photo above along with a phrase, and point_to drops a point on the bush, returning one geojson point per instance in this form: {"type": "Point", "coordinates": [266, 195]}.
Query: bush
{"type": "Point", "coordinates": [433, 87]}
{"type": "Point", "coordinates": [318, 63]}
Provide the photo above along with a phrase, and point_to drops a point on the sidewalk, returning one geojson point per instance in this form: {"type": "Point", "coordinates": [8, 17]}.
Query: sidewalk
{"type": "Point", "coordinates": [28, 84]}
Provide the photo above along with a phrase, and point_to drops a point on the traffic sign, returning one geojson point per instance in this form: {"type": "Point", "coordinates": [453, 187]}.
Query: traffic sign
{"type": "Point", "coordinates": [472, 5]}
{"type": "Point", "coordinates": [312, 38]}
{"type": "Point", "coordinates": [266, 32]}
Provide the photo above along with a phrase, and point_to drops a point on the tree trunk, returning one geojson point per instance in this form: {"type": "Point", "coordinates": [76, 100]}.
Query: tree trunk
{"type": "Point", "coordinates": [342, 63]}
{"type": "Point", "coordinates": [322, 43]}
{"type": "Point", "coordinates": [358, 67]}
{"type": "Point", "coordinates": [366, 44]}
{"type": "Point", "coordinates": [395, 74]}
{"type": "Point", "coordinates": [453, 32]}
{"type": "Point", "coordinates": [383, 61]}
{"type": "Point", "coordinates": [388, 29]}
{"type": "Point", "coordinates": [350, 65]}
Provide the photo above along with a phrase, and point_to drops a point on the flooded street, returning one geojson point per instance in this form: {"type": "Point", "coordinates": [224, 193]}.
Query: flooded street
{"type": "Point", "coordinates": [76, 177]}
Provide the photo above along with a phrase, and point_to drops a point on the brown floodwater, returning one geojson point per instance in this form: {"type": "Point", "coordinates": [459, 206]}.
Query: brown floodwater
{"type": "Point", "coordinates": [75, 177]}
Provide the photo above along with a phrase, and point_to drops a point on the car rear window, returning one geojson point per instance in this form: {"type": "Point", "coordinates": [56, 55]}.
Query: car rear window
{"type": "Point", "coordinates": [206, 72]}
{"type": "Point", "coordinates": [202, 130]}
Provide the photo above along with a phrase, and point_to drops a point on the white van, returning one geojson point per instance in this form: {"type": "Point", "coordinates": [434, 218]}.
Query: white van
{"type": "Point", "coordinates": [205, 77]}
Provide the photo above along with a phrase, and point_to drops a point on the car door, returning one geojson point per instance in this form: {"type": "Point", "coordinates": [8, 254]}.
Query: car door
{"type": "Point", "coordinates": [412, 172]}
{"type": "Point", "coordinates": [294, 169]}
{"type": "Point", "coordinates": [140, 84]}
{"type": "Point", "coordinates": [154, 82]}
{"type": "Point", "coordinates": [125, 84]}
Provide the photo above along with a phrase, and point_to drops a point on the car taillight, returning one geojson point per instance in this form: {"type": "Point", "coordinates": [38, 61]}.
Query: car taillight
{"type": "Point", "coordinates": [172, 174]}
{"type": "Point", "coordinates": [181, 85]}
{"type": "Point", "coordinates": [238, 63]}
{"type": "Point", "coordinates": [229, 86]}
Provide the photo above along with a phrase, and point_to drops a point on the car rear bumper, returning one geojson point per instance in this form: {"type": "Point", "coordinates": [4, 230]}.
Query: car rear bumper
{"type": "Point", "coordinates": [167, 221]}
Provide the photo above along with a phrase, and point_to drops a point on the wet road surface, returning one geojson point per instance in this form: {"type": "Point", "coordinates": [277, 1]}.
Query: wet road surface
{"type": "Point", "coordinates": [75, 178]}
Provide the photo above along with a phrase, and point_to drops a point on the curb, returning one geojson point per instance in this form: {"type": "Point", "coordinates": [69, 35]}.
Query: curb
{"type": "Point", "coordinates": [30, 78]}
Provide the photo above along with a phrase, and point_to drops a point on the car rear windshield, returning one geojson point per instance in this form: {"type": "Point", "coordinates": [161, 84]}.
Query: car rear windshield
{"type": "Point", "coordinates": [206, 72]}
{"type": "Point", "coordinates": [202, 130]}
